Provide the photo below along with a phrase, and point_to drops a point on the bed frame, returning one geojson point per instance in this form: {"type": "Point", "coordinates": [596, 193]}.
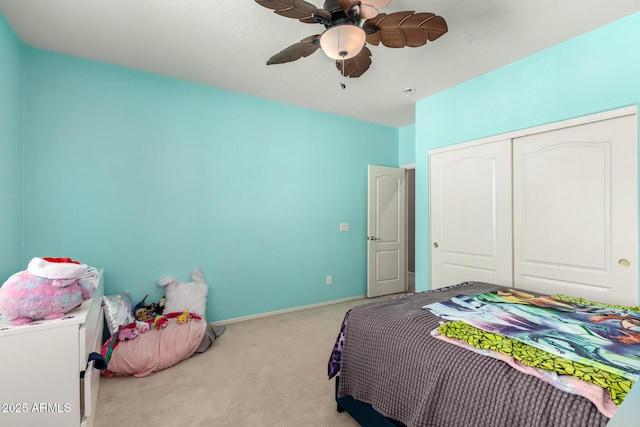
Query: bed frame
{"type": "Point", "coordinates": [362, 412]}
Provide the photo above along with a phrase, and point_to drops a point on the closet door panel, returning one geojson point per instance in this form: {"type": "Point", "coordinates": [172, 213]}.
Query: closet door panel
{"type": "Point", "coordinates": [457, 273]}
{"type": "Point", "coordinates": [575, 211]}
{"type": "Point", "coordinates": [552, 286]}
{"type": "Point", "coordinates": [565, 192]}
{"type": "Point", "coordinates": [471, 214]}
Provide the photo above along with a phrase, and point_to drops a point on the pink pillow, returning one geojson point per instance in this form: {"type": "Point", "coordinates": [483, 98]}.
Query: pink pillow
{"type": "Point", "coordinates": [157, 349]}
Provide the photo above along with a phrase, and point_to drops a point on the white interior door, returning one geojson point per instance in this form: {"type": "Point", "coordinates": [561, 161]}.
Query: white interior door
{"type": "Point", "coordinates": [575, 211]}
{"type": "Point", "coordinates": [386, 231]}
{"type": "Point", "coordinates": [470, 215]}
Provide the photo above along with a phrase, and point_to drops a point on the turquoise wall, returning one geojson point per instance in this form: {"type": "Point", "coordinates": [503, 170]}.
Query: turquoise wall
{"type": "Point", "coordinates": [407, 145]}
{"type": "Point", "coordinates": [10, 152]}
{"type": "Point", "coordinates": [594, 72]}
{"type": "Point", "coordinates": [147, 176]}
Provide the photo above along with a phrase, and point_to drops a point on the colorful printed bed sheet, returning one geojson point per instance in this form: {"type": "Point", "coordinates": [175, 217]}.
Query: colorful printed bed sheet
{"type": "Point", "coordinates": [615, 386]}
{"type": "Point", "coordinates": [567, 383]}
{"type": "Point", "coordinates": [604, 337]}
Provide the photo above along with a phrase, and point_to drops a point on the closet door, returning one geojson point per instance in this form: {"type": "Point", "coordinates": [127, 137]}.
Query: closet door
{"type": "Point", "coordinates": [575, 194]}
{"type": "Point", "coordinates": [470, 211]}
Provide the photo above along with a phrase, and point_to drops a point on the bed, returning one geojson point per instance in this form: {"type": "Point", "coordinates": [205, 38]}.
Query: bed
{"type": "Point", "coordinates": [390, 370]}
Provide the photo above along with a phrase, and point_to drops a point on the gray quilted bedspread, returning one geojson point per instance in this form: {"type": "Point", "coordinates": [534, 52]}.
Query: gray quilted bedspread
{"type": "Point", "coordinates": [391, 361]}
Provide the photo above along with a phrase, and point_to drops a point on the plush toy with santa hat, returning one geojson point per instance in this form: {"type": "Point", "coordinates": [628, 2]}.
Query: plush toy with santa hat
{"type": "Point", "coordinates": [48, 289]}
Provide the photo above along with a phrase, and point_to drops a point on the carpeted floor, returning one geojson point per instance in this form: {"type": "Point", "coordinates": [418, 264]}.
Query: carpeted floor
{"type": "Point", "coordinates": [270, 371]}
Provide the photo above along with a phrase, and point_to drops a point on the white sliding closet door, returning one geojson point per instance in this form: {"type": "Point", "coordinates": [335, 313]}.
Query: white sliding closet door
{"type": "Point", "coordinates": [470, 212]}
{"type": "Point", "coordinates": [575, 195]}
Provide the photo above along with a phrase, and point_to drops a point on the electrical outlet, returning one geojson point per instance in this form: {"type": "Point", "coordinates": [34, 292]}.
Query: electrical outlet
{"type": "Point", "coordinates": [329, 280]}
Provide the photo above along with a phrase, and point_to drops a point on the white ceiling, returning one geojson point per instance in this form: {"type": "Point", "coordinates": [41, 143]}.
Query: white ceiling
{"type": "Point", "coordinates": [226, 43]}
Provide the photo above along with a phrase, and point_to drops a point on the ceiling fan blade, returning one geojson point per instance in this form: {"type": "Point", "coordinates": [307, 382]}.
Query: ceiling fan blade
{"type": "Point", "coordinates": [301, 49]}
{"type": "Point", "coordinates": [367, 11]}
{"type": "Point", "coordinates": [378, 4]}
{"type": "Point", "coordinates": [405, 29]}
{"type": "Point", "coordinates": [356, 66]}
{"type": "Point", "coordinates": [296, 9]}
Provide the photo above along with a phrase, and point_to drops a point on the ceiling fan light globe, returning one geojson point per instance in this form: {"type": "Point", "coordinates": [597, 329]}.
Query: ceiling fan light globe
{"type": "Point", "coordinates": [343, 41]}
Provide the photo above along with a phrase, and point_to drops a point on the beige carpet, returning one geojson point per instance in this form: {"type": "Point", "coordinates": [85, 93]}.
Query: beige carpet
{"type": "Point", "coordinates": [270, 371]}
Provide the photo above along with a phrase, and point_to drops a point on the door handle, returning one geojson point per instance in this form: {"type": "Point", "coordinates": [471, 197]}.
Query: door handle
{"type": "Point", "coordinates": [372, 238]}
{"type": "Point", "coordinates": [624, 263]}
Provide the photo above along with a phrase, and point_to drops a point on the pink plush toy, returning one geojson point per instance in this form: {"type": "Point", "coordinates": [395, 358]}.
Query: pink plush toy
{"type": "Point", "coordinates": [25, 297]}
{"type": "Point", "coordinates": [142, 327]}
{"type": "Point", "coordinates": [127, 334]}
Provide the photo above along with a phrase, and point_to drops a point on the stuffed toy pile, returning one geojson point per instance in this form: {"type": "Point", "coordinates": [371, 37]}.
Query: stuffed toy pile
{"type": "Point", "coordinates": [47, 289]}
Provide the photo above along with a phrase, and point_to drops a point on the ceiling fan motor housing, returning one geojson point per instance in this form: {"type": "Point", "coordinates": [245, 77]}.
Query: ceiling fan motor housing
{"type": "Point", "coordinates": [332, 6]}
{"type": "Point", "coordinates": [339, 16]}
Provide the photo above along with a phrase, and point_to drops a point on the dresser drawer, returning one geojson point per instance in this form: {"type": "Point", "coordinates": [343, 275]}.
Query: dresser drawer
{"type": "Point", "coordinates": [89, 384]}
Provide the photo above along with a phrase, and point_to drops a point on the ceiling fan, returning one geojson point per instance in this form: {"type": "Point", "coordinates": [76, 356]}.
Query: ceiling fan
{"type": "Point", "coordinates": [349, 25]}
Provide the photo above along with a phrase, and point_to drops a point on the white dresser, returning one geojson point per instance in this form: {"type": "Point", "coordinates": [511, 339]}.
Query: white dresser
{"type": "Point", "coordinates": [44, 376]}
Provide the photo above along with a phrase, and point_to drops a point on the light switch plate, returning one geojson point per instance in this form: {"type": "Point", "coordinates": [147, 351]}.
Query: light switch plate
{"type": "Point", "coordinates": [344, 226]}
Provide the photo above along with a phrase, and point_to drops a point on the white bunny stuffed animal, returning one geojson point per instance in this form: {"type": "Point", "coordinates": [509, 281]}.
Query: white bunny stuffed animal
{"type": "Point", "coordinates": [186, 295]}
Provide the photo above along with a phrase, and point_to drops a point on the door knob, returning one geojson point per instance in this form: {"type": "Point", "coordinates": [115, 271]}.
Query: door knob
{"type": "Point", "coordinates": [372, 238]}
{"type": "Point", "coordinates": [435, 244]}
{"type": "Point", "coordinates": [624, 262]}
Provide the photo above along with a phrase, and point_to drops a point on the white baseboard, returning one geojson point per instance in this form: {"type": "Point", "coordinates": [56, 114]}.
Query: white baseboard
{"type": "Point", "coordinates": [286, 310]}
